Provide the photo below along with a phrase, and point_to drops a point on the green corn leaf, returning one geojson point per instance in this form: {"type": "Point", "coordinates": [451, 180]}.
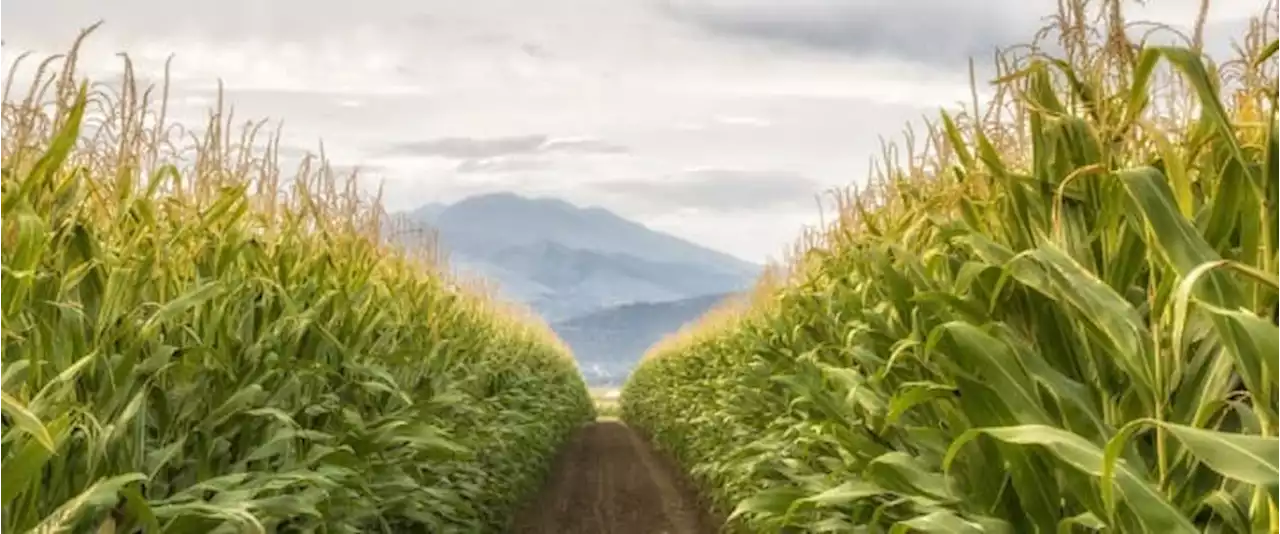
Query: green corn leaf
{"type": "Point", "coordinates": [27, 422]}
{"type": "Point", "coordinates": [102, 494]}
{"type": "Point", "coordinates": [1243, 457]}
{"type": "Point", "coordinates": [937, 522]}
{"type": "Point", "coordinates": [1151, 509]}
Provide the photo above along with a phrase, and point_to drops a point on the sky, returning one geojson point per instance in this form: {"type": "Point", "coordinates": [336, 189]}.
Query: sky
{"type": "Point", "coordinates": [715, 120]}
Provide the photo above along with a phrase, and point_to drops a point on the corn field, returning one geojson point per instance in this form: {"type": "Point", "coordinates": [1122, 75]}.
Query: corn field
{"type": "Point", "coordinates": [1052, 313]}
{"type": "Point", "coordinates": [194, 342]}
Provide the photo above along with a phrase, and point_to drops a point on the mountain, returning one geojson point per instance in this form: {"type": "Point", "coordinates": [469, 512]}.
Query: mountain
{"type": "Point", "coordinates": [609, 343]}
{"type": "Point", "coordinates": [567, 261]}
{"type": "Point", "coordinates": [427, 213]}
{"type": "Point", "coordinates": [610, 287]}
{"type": "Point", "coordinates": [482, 225]}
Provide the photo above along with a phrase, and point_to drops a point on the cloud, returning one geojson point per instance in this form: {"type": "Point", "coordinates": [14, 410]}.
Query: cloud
{"type": "Point", "coordinates": [582, 144]}
{"type": "Point", "coordinates": [502, 164]}
{"type": "Point", "coordinates": [756, 122]}
{"type": "Point", "coordinates": [940, 33]}
{"type": "Point", "coordinates": [477, 148]}
{"type": "Point", "coordinates": [469, 147]}
{"type": "Point", "coordinates": [363, 170]}
{"type": "Point", "coordinates": [295, 152]}
{"type": "Point", "coordinates": [718, 189]}
{"type": "Point", "coordinates": [935, 32]}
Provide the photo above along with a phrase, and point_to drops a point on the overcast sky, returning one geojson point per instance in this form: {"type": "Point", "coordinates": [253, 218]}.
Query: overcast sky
{"type": "Point", "coordinates": [715, 120]}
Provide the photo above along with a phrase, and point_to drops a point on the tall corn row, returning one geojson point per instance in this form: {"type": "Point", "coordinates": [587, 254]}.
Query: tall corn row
{"type": "Point", "coordinates": [194, 343]}
{"type": "Point", "coordinates": [1058, 314]}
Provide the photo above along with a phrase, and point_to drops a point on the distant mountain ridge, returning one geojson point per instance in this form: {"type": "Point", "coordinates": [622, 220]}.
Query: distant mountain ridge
{"type": "Point", "coordinates": [610, 342]}
{"type": "Point", "coordinates": [610, 287]}
{"type": "Point", "coordinates": [565, 261]}
{"type": "Point", "coordinates": [502, 220]}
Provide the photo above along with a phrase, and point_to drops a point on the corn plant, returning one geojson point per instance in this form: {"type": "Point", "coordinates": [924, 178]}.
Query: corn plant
{"type": "Point", "coordinates": [1059, 315]}
{"type": "Point", "coordinates": [193, 343]}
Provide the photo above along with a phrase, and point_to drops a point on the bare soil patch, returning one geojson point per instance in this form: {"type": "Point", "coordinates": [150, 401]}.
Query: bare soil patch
{"type": "Point", "coordinates": [608, 480]}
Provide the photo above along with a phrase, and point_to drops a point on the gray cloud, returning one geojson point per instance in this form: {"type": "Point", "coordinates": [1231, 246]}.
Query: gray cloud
{"type": "Point", "coordinates": [936, 32]}
{"type": "Point", "coordinates": [473, 148]}
{"type": "Point", "coordinates": [581, 144]}
{"type": "Point", "coordinates": [942, 33]}
{"type": "Point", "coordinates": [295, 152]}
{"type": "Point", "coordinates": [362, 170]}
{"type": "Point", "coordinates": [502, 164]}
{"type": "Point", "coordinates": [469, 147]}
{"type": "Point", "coordinates": [230, 19]}
{"type": "Point", "coordinates": [722, 190]}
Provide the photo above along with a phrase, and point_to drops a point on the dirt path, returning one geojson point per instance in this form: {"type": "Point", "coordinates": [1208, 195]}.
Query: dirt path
{"type": "Point", "coordinates": [607, 480]}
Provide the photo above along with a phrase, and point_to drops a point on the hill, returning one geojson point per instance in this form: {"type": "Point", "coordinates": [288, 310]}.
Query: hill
{"type": "Point", "coordinates": [567, 261]}
{"type": "Point", "coordinates": [610, 342]}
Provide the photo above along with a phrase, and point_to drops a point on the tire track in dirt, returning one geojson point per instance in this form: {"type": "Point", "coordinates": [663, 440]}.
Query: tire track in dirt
{"type": "Point", "coordinates": [607, 480]}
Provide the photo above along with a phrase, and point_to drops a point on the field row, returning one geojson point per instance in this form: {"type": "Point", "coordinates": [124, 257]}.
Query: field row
{"type": "Point", "coordinates": [1056, 316]}
{"type": "Point", "coordinates": [194, 342]}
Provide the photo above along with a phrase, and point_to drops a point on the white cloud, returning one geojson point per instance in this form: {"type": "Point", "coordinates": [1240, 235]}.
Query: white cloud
{"type": "Point", "coordinates": [719, 190]}
{"type": "Point", "coordinates": [744, 121]}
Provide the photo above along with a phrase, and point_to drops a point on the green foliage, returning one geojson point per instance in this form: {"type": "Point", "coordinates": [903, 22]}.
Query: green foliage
{"type": "Point", "coordinates": [1063, 324]}
{"type": "Point", "coordinates": [202, 350]}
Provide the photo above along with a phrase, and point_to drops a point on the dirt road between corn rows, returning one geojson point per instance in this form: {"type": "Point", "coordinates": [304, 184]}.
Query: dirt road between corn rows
{"type": "Point", "coordinates": [608, 480]}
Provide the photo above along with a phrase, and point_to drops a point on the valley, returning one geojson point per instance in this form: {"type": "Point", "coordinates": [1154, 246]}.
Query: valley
{"type": "Point", "coordinates": [609, 287]}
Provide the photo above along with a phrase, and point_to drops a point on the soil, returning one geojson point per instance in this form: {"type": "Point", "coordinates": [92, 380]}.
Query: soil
{"type": "Point", "coordinates": [608, 480]}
